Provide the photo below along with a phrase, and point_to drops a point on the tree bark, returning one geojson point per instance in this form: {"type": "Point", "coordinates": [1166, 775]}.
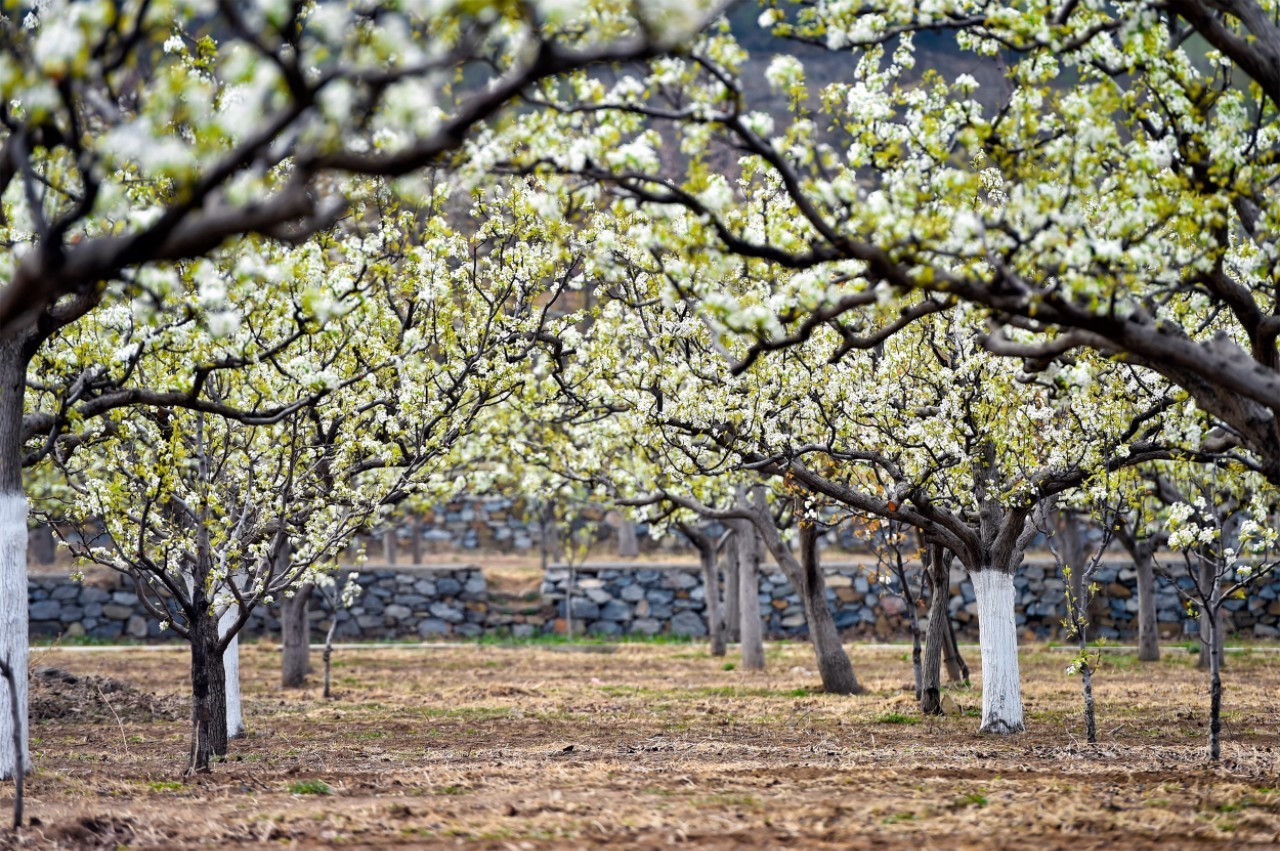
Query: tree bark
{"type": "Point", "coordinates": [389, 545]}
{"type": "Point", "coordinates": [1074, 556]}
{"type": "Point", "coordinates": [1210, 618]}
{"type": "Point", "coordinates": [705, 543]}
{"type": "Point", "coordinates": [1215, 682]}
{"type": "Point", "coordinates": [295, 638]}
{"type": "Point", "coordinates": [732, 595]}
{"type": "Point", "coordinates": [202, 646]}
{"type": "Point", "coordinates": [749, 596]}
{"type": "Point", "coordinates": [957, 668]}
{"type": "Point", "coordinates": [936, 633]}
{"type": "Point", "coordinates": [1148, 626]}
{"type": "Point", "coordinates": [13, 556]}
{"type": "Point", "coordinates": [43, 546]}
{"type": "Point", "coordinates": [833, 662]}
{"type": "Point", "coordinates": [628, 543]}
{"type": "Point", "coordinates": [998, 641]}
{"type": "Point", "coordinates": [415, 546]}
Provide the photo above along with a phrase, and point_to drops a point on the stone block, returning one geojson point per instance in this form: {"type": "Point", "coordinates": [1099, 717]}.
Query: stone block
{"type": "Point", "coordinates": [646, 626]}
{"type": "Point", "coordinates": [688, 624]}
{"type": "Point", "coordinates": [430, 627]}
{"type": "Point", "coordinates": [604, 628]}
{"type": "Point", "coordinates": [116, 612]}
{"type": "Point", "coordinates": [616, 611]}
{"type": "Point", "coordinates": [445, 612]}
{"type": "Point", "coordinates": [396, 612]}
{"type": "Point", "coordinates": [136, 627]}
{"type": "Point", "coordinates": [46, 610]}
{"type": "Point", "coordinates": [583, 609]}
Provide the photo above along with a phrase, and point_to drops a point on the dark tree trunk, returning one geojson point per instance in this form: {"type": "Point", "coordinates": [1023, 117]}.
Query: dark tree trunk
{"type": "Point", "coordinates": [43, 546]}
{"type": "Point", "coordinates": [936, 636]}
{"type": "Point", "coordinates": [957, 668]}
{"type": "Point", "coordinates": [208, 713]}
{"type": "Point", "coordinates": [1148, 626]}
{"type": "Point", "coordinates": [295, 636]}
{"type": "Point", "coordinates": [705, 543]}
{"type": "Point", "coordinates": [1215, 683]}
{"type": "Point", "coordinates": [833, 662]}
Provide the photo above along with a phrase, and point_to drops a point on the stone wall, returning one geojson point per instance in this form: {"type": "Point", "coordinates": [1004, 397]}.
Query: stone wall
{"type": "Point", "coordinates": [457, 602]}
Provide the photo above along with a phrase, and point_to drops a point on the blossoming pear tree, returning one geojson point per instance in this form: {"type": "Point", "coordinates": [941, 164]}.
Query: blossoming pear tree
{"type": "Point", "coordinates": [921, 426]}
{"type": "Point", "coordinates": [134, 135]}
{"type": "Point", "coordinates": [1109, 184]}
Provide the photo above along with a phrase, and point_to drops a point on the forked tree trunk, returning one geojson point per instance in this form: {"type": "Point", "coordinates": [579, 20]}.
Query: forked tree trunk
{"type": "Point", "coordinates": [998, 641]}
{"type": "Point", "coordinates": [936, 638]}
{"type": "Point", "coordinates": [749, 596]}
{"type": "Point", "coordinates": [13, 555]}
{"type": "Point", "coordinates": [231, 674]}
{"type": "Point", "coordinates": [833, 662]}
{"type": "Point", "coordinates": [295, 638]}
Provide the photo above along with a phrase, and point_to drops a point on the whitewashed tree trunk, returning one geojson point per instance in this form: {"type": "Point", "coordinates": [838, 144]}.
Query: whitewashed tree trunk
{"type": "Point", "coordinates": [998, 641]}
{"type": "Point", "coordinates": [13, 551]}
{"type": "Point", "coordinates": [13, 624]}
{"type": "Point", "coordinates": [231, 667]}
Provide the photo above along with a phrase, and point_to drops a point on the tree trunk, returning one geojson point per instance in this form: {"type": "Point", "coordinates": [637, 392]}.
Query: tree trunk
{"type": "Point", "coordinates": [231, 672]}
{"type": "Point", "coordinates": [1075, 557]}
{"type": "Point", "coordinates": [998, 641]}
{"type": "Point", "coordinates": [628, 543]}
{"type": "Point", "coordinates": [217, 701]}
{"type": "Point", "coordinates": [415, 546]}
{"type": "Point", "coordinates": [711, 594]}
{"type": "Point", "coordinates": [749, 596]}
{"type": "Point", "coordinates": [1215, 681]}
{"type": "Point", "coordinates": [43, 546]}
{"type": "Point", "coordinates": [1209, 618]}
{"type": "Point", "coordinates": [957, 668]}
{"type": "Point", "coordinates": [389, 545]}
{"type": "Point", "coordinates": [13, 555]}
{"type": "Point", "coordinates": [833, 662]}
{"type": "Point", "coordinates": [936, 633]}
{"type": "Point", "coordinates": [1148, 626]}
{"type": "Point", "coordinates": [295, 636]}
{"type": "Point", "coordinates": [732, 595]}
{"type": "Point", "coordinates": [203, 653]}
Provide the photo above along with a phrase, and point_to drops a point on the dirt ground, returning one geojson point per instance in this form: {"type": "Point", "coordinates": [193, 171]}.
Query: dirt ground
{"type": "Point", "coordinates": [644, 746]}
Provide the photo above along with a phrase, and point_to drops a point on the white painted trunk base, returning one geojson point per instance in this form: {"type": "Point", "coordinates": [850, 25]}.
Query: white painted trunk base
{"type": "Point", "coordinates": [231, 665]}
{"type": "Point", "coordinates": [13, 625]}
{"type": "Point", "coordinates": [998, 642]}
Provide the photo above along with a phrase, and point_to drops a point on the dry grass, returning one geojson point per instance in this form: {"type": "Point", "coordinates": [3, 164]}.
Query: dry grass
{"type": "Point", "coordinates": [648, 746]}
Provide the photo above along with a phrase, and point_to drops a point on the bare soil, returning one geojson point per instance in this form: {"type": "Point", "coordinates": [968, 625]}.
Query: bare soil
{"type": "Point", "coordinates": [645, 746]}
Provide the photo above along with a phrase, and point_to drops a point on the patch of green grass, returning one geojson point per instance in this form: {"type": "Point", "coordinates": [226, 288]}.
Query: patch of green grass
{"type": "Point", "coordinates": [1235, 806]}
{"type": "Point", "coordinates": [897, 718]}
{"type": "Point", "coordinates": [451, 789]}
{"type": "Point", "coordinates": [897, 818]}
{"type": "Point", "coordinates": [728, 666]}
{"type": "Point", "coordinates": [164, 785]}
{"type": "Point", "coordinates": [310, 787]}
{"type": "Point", "coordinates": [466, 713]}
{"type": "Point", "coordinates": [973, 799]}
{"type": "Point", "coordinates": [729, 800]}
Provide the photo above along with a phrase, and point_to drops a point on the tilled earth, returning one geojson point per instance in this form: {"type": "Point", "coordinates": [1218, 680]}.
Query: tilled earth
{"type": "Point", "coordinates": [645, 746]}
